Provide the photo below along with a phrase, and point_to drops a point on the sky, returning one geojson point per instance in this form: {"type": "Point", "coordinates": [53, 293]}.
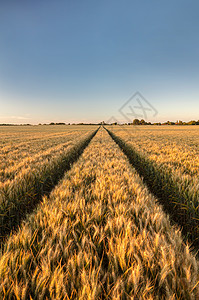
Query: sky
{"type": "Point", "coordinates": [89, 61]}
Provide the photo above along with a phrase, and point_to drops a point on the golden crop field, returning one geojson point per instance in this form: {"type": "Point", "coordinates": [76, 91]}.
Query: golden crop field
{"type": "Point", "coordinates": [23, 146]}
{"type": "Point", "coordinates": [33, 159]}
{"type": "Point", "coordinates": [102, 213]}
{"type": "Point", "coordinates": [167, 157]}
{"type": "Point", "coordinates": [176, 147]}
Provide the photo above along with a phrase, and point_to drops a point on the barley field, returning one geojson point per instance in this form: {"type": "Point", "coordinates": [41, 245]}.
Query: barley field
{"type": "Point", "coordinates": [24, 147]}
{"type": "Point", "coordinates": [33, 159]}
{"type": "Point", "coordinates": [92, 213]}
{"type": "Point", "coordinates": [167, 157]}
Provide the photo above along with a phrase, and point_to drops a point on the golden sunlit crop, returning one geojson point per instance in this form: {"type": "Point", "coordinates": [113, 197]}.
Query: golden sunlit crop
{"type": "Point", "coordinates": [101, 231]}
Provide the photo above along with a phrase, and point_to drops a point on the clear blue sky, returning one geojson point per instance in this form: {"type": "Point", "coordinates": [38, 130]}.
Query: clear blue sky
{"type": "Point", "coordinates": [76, 61]}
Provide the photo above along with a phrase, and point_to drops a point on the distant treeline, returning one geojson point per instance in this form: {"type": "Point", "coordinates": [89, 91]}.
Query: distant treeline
{"type": "Point", "coordinates": [143, 122]}
{"type": "Point", "coordinates": [135, 122]}
{"type": "Point", "coordinates": [52, 123]}
{"type": "Point", "coordinates": [15, 124]}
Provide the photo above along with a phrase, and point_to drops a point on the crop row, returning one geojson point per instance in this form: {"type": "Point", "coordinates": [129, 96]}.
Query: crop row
{"type": "Point", "coordinates": [12, 171]}
{"type": "Point", "coordinates": [181, 202]}
{"type": "Point", "coordinates": [39, 139]}
{"type": "Point", "coordinates": [177, 149]}
{"type": "Point", "coordinates": [19, 196]}
{"type": "Point", "coordinates": [15, 156]}
{"type": "Point", "coordinates": [19, 134]}
{"type": "Point", "coordinates": [99, 235]}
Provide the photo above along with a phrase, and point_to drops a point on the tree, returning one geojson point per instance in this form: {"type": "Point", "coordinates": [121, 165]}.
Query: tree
{"type": "Point", "coordinates": [142, 122]}
{"type": "Point", "coordinates": [192, 123]}
{"type": "Point", "coordinates": [136, 122]}
{"type": "Point", "coordinates": [179, 122]}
